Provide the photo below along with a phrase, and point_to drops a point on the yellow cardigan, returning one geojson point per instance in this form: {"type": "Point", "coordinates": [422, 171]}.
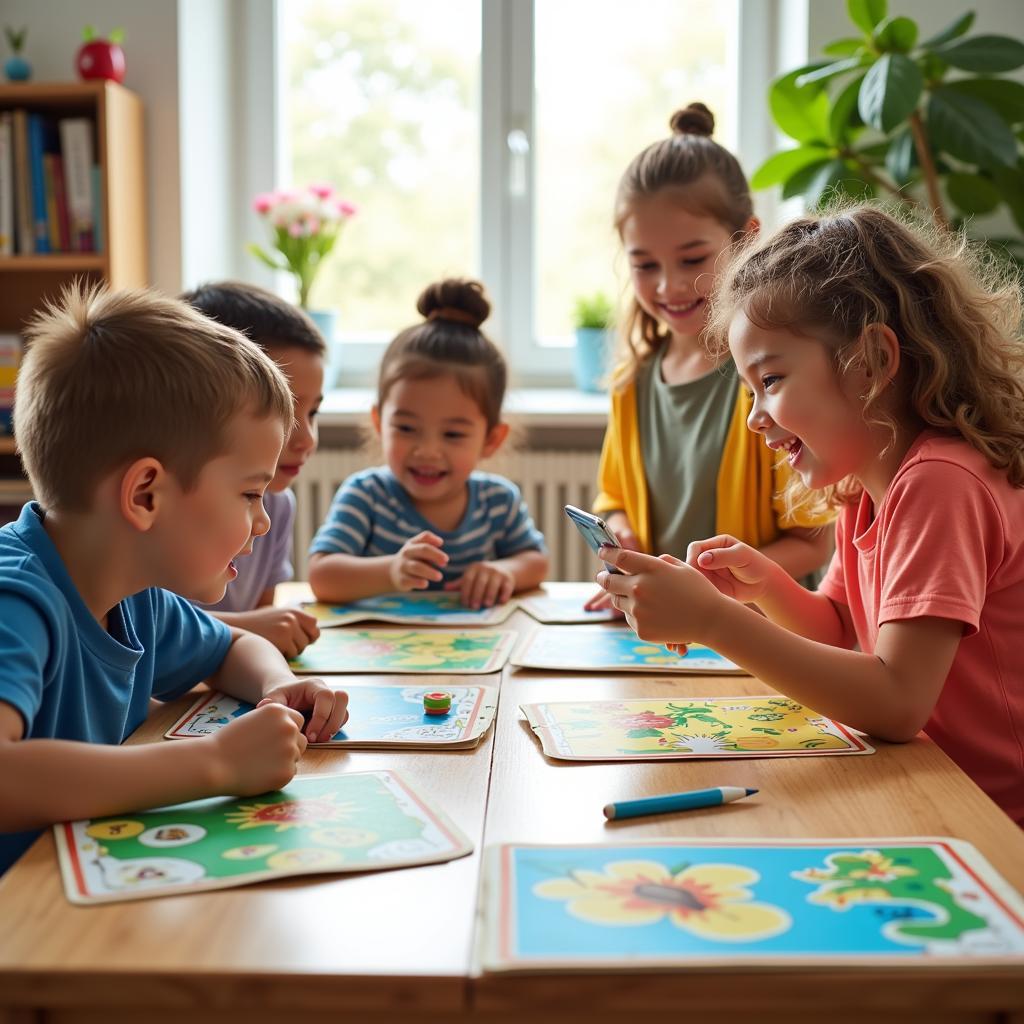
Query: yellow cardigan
{"type": "Point", "coordinates": [747, 497]}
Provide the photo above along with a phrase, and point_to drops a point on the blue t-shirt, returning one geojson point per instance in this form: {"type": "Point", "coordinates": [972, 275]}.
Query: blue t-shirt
{"type": "Point", "coordinates": [67, 676]}
{"type": "Point", "coordinates": [371, 514]}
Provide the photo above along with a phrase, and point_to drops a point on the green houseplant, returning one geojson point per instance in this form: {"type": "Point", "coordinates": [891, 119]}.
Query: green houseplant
{"type": "Point", "coordinates": [593, 316]}
{"type": "Point", "coordinates": [929, 123]}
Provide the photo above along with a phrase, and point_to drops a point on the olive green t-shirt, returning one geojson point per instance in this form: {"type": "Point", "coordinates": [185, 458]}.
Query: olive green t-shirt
{"type": "Point", "coordinates": [683, 428]}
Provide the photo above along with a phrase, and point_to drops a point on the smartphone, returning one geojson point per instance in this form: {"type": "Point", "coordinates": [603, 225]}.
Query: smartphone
{"type": "Point", "coordinates": [595, 531]}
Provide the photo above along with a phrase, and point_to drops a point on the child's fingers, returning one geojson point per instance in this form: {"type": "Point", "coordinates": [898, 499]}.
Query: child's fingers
{"type": "Point", "coordinates": [426, 554]}
{"type": "Point", "coordinates": [597, 602]}
{"type": "Point", "coordinates": [695, 548]}
{"type": "Point", "coordinates": [507, 589]}
{"type": "Point", "coordinates": [492, 589]}
{"type": "Point", "coordinates": [671, 559]}
{"type": "Point", "coordinates": [323, 705]}
{"type": "Point", "coordinates": [454, 584]}
{"type": "Point", "coordinates": [421, 571]}
{"type": "Point", "coordinates": [309, 625]}
{"type": "Point", "coordinates": [426, 537]}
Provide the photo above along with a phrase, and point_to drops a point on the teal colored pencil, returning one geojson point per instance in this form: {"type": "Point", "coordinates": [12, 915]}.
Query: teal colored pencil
{"type": "Point", "coordinates": [676, 802]}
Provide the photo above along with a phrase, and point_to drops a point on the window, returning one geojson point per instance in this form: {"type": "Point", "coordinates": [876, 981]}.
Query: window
{"type": "Point", "coordinates": [486, 138]}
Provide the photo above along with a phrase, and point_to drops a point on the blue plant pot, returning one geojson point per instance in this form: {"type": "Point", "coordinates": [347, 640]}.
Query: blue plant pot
{"type": "Point", "coordinates": [17, 69]}
{"type": "Point", "coordinates": [326, 321]}
{"type": "Point", "coordinates": [590, 360]}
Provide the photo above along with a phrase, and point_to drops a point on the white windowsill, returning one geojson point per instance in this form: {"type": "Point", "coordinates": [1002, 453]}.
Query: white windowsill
{"type": "Point", "coordinates": [532, 407]}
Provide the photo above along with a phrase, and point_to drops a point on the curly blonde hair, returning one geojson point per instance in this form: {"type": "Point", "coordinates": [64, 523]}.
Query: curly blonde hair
{"type": "Point", "coordinates": [955, 308]}
{"type": "Point", "coordinates": [705, 178]}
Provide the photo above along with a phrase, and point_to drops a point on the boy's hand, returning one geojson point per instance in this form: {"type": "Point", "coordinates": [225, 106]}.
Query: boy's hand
{"type": "Point", "coordinates": [290, 630]}
{"type": "Point", "coordinates": [664, 600]}
{"type": "Point", "coordinates": [258, 752]}
{"type": "Point", "coordinates": [484, 584]}
{"type": "Point", "coordinates": [736, 569]}
{"type": "Point", "coordinates": [328, 709]}
{"type": "Point", "coordinates": [418, 562]}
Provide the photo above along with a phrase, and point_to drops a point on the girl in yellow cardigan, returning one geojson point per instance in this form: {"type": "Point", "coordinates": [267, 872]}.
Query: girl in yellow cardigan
{"type": "Point", "coordinates": [678, 463]}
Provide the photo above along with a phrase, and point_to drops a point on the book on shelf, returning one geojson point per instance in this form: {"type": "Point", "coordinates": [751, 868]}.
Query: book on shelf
{"type": "Point", "coordinates": [10, 357]}
{"type": "Point", "coordinates": [6, 183]}
{"type": "Point", "coordinates": [22, 186]}
{"type": "Point", "coordinates": [76, 140]}
{"type": "Point", "coordinates": [36, 149]}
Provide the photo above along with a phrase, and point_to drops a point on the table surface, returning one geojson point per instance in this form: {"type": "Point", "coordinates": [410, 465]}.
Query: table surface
{"type": "Point", "coordinates": [400, 942]}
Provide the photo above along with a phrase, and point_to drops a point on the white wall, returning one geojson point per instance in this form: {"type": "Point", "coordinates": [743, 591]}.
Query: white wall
{"type": "Point", "coordinates": [151, 52]}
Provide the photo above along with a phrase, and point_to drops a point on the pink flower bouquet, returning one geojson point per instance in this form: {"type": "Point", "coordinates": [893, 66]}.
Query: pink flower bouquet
{"type": "Point", "coordinates": [305, 224]}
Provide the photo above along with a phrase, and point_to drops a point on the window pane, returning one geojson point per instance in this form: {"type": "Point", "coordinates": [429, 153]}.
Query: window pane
{"type": "Point", "coordinates": [608, 77]}
{"type": "Point", "coordinates": [382, 102]}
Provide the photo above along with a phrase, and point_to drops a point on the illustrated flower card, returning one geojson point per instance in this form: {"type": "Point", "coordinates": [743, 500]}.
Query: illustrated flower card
{"type": "Point", "coordinates": [405, 650]}
{"type": "Point", "coordinates": [359, 821]}
{"type": "Point", "coordinates": [416, 609]}
{"type": "Point", "coordinates": [379, 716]}
{"type": "Point", "coordinates": [656, 729]}
{"type": "Point", "coordinates": [677, 903]}
{"type": "Point", "coordinates": [613, 649]}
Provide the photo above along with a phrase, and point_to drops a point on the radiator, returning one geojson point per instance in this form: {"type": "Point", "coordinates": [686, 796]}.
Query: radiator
{"type": "Point", "coordinates": [548, 480]}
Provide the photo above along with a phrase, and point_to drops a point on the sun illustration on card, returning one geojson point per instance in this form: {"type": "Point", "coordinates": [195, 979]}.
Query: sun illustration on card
{"type": "Point", "coordinates": [286, 814]}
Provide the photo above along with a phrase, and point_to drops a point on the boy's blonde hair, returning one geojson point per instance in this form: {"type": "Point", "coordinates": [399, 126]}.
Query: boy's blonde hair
{"type": "Point", "coordinates": [954, 308]}
{"type": "Point", "coordinates": [113, 376]}
{"type": "Point", "coordinates": [703, 178]}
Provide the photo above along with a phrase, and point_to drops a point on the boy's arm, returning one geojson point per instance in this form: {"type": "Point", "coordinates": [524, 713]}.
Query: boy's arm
{"type": "Point", "coordinates": [34, 773]}
{"type": "Point", "coordinates": [801, 549]}
{"type": "Point", "coordinates": [529, 568]}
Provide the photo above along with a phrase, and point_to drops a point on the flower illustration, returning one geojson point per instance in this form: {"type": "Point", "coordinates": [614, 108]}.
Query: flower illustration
{"type": "Point", "coordinates": [645, 720]}
{"type": "Point", "coordinates": [701, 742]}
{"type": "Point", "coordinates": [711, 901]}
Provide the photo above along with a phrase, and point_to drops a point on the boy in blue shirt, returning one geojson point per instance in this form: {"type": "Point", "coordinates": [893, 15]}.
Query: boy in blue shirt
{"type": "Point", "coordinates": [149, 434]}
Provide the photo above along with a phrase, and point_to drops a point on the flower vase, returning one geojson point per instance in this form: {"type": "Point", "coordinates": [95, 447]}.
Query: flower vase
{"type": "Point", "coordinates": [590, 362]}
{"type": "Point", "coordinates": [326, 321]}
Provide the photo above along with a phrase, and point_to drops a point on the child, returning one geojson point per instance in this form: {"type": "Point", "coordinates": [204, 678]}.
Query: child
{"type": "Point", "coordinates": [426, 520]}
{"type": "Point", "coordinates": [149, 434]}
{"type": "Point", "coordinates": [678, 462]}
{"type": "Point", "coordinates": [291, 339]}
{"type": "Point", "coordinates": [892, 374]}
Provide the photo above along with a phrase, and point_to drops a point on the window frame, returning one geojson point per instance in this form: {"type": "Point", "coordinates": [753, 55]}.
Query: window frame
{"type": "Point", "coordinates": [507, 218]}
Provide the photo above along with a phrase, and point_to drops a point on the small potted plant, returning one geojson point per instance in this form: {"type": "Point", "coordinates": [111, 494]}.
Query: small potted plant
{"type": "Point", "coordinates": [593, 316]}
{"type": "Point", "coordinates": [17, 69]}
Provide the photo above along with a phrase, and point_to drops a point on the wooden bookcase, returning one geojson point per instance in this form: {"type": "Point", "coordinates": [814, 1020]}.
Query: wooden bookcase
{"type": "Point", "coordinates": [27, 281]}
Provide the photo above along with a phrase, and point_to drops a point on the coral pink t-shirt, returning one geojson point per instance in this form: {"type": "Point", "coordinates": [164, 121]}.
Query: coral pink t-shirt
{"type": "Point", "coordinates": [948, 541]}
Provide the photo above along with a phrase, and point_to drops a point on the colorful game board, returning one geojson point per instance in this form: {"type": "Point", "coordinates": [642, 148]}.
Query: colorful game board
{"type": "Point", "coordinates": [656, 729]}
{"type": "Point", "coordinates": [562, 603]}
{"type": "Point", "coordinates": [674, 904]}
{"type": "Point", "coordinates": [613, 649]}
{"type": "Point", "coordinates": [360, 821]}
{"type": "Point", "coordinates": [379, 716]}
{"type": "Point", "coordinates": [406, 650]}
{"type": "Point", "coordinates": [417, 609]}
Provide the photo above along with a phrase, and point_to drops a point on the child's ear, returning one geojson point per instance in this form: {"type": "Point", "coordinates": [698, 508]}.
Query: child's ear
{"type": "Point", "coordinates": [883, 339]}
{"type": "Point", "coordinates": [753, 226]}
{"type": "Point", "coordinates": [495, 439]}
{"type": "Point", "coordinates": [375, 419]}
{"type": "Point", "coordinates": [141, 493]}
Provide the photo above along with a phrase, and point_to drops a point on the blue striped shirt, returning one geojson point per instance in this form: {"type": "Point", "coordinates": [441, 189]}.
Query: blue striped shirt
{"type": "Point", "coordinates": [371, 514]}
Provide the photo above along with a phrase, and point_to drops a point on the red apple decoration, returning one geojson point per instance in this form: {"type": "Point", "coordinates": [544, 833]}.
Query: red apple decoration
{"type": "Point", "coordinates": [101, 58]}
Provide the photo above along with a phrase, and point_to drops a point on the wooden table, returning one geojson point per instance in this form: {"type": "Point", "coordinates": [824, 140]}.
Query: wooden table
{"type": "Point", "coordinates": [396, 946]}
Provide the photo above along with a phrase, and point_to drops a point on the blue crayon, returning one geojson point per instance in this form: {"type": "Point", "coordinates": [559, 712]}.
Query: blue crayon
{"type": "Point", "coordinates": [676, 802]}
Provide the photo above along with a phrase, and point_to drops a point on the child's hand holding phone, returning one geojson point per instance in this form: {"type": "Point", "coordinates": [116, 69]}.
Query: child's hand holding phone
{"type": "Point", "coordinates": [595, 531]}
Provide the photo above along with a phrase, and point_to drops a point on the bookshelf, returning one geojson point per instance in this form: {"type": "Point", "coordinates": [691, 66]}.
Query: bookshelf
{"type": "Point", "coordinates": [26, 281]}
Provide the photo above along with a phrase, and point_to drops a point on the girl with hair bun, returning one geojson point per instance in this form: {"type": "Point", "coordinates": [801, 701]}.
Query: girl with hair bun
{"type": "Point", "coordinates": [678, 463]}
{"type": "Point", "coordinates": [428, 519]}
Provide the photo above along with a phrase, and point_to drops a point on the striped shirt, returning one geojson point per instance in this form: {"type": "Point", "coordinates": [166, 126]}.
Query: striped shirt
{"type": "Point", "coordinates": [371, 514]}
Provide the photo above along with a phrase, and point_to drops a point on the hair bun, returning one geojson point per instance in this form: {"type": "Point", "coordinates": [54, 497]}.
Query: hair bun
{"type": "Point", "coordinates": [695, 119]}
{"type": "Point", "coordinates": [456, 294]}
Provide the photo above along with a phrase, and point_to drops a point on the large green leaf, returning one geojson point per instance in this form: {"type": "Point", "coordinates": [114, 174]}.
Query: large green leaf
{"type": "Point", "coordinates": [844, 47]}
{"type": "Point", "coordinates": [839, 67]}
{"type": "Point", "coordinates": [1010, 182]}
{"type": "Point", "coordinates": [802, 113]}
{"type": "Point", "coordinates": [1003, 95]}
{"type": "Point", "coordinates": [958, 28]}
{"type": "Point", "coordinates": [990, 54]}
{"type": "Point", "coordinates": [895, 35]}
{"type": "Point", "coordinates": [782, 166]}
{"type": "Point", "coordinates": [798, 184]}
{"type": "Point", "coordinates": [968, 129]}
{"type": "Point", "coordinates": [973, 193]}
{"type": "Point", "coordinates": [866, 14]}
{"type": "Point", "coordinates": [890, 91]}
{"type": "Point", "coordinates": [843, 117]}
{"type": "Point", "coordinates": [835, 177]}
{"type": "Point", "coordinates": [901, 158]}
